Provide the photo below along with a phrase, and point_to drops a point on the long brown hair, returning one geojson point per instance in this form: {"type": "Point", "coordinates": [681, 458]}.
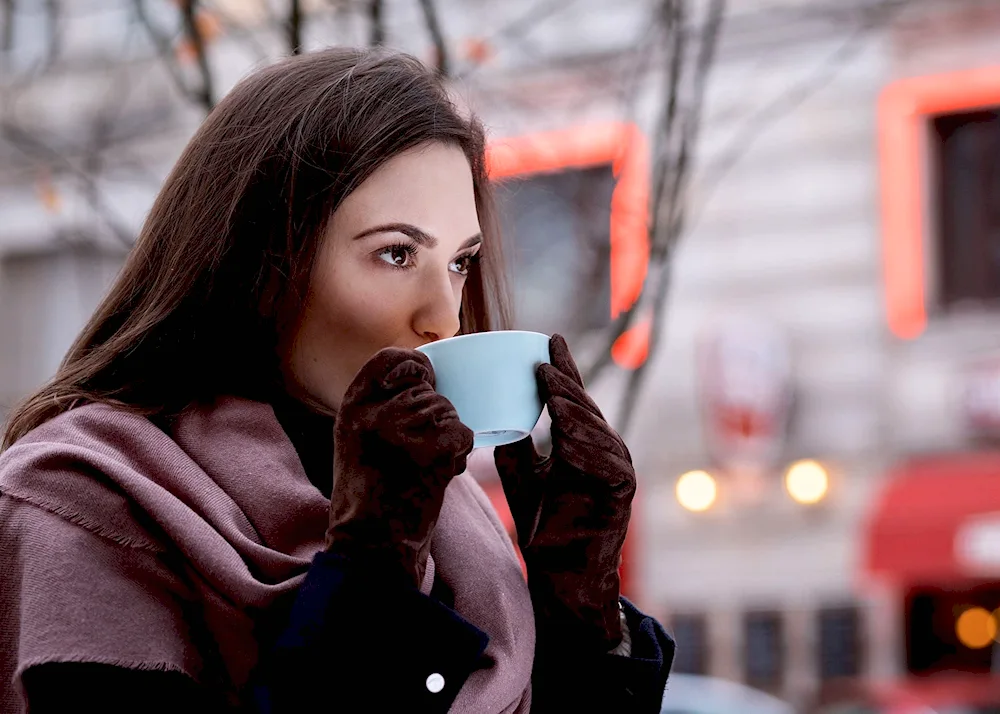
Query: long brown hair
{"type": "Point", "coordinates": [221, 266]}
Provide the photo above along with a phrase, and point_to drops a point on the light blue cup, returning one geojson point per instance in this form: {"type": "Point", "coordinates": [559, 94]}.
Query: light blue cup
{"type": "Point", "coordinates": [490, 378]}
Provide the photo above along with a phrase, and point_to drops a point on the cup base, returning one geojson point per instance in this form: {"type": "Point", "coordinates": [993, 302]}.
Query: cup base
{"type": "Point", "coordinates": [498, 437]}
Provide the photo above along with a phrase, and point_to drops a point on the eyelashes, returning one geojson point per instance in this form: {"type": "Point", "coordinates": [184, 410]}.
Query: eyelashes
{"type": "Point", "coordinates": [470, 259]}
{"type": "Point", "coordinates": [402, 256]}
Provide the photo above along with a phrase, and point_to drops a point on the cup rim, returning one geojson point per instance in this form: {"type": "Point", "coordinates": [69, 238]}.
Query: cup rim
{"type": "Point", "coordinates": [456, 338]}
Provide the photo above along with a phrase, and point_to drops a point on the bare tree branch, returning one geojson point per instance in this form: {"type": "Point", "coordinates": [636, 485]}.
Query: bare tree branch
{"type": "Point", "coordinates": [165, 49]}
{"type": "Point", "coordinates": [295, 27]}
{"type": "Point", "coordinates": [671, 18]}
{"type": "Point", "coordinates": [53, 39]}
{"type": "Point", "coordinates": [375, 8]}
{"type": "Point", "coordinates": [790, 99]}
{"type": "Point", "coordinates": [671, 220]}
{"type": "Point", "coordinates": [33, 146]}
{"type": "Point", "coordinates": [520, 25]}
{"type": "Point", "coordinates": [190, 17]}
{"type": "Point", "coordinates": [666, 237]}
{"type": "Point", "coordinates": [235, 30]}
{"type": "Point", "coordinates": [437, 36]}
{"type": "Point", "coordinates": [7, 32]}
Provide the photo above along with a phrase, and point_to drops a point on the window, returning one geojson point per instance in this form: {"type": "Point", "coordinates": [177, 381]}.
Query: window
{"type": "Point", "coordinates": [690, 632]}
{"type": "Point", "coordinates": [764, 651]}
{"type": "Point", "coordinates": [557, 227]}
{"type": "Point", "coordinates": [908, 109]}
{"type": "Point", "coordinates": [967, 185]}
{"type": "Point", "coordinates": [839, 642]}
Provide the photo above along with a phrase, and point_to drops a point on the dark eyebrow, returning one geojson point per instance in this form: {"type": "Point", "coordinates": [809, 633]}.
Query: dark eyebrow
{"type": "Point", "coordinates": [416, 234]}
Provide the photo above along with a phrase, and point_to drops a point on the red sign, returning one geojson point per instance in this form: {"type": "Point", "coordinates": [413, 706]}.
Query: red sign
{"type": "Point", "coordinates": [745, 389]}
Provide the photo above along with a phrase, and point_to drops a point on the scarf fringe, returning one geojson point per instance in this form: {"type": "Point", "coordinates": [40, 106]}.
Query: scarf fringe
{"type": "Point", "coordinates": [79, 519]}
{"type": "Point", "coordinates": [157, 666]}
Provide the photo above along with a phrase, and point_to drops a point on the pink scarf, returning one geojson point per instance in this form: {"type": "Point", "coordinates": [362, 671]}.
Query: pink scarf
{"type": "Point", "coordinates": [124, 545]}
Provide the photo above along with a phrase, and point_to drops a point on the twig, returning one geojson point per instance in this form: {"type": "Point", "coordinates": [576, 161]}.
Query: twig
{"type": "Point", "coordinates": [674, 22]}
{"type": "Point", "coordinates": [295, 27]}
{"type": "Point", "coordinates": [7, 33]}
{"type": "Point", "coordinates": [676, 207]}
{"type": "Point", "coordinates": [434, 28]}
{"type": "Point", "coordinates": [164, 48]}
{"type": "Point", "coordinates": [30, 145]}
{"type": "Point", "coordinates": [378, 27]}
{"type": "Point", "coordinates": [789, 100]}
{"type": "Point", "coordinates": [235, 30]}
{"type": "Point", "coordinates": [189, 14]}
{"type": "Point", "coordinates": [671, 18]}
{"type": "Point", "coordinates": [662, 252]}
{"type": "Point", "coordinates": [52, 13]}
{"type": "Point", "coordinates": [521, 24]}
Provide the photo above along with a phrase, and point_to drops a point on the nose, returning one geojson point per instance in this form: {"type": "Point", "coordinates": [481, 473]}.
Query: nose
{"type": "Point", "coordinates": [437, 314]}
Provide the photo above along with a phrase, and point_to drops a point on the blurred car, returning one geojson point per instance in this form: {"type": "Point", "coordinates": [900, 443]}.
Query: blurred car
{"type": "Point", "coordinates": [942, 694]}
{"type": "Point", "coordinates": [696, 694]}
{"type": "Point", "coordinates": [865, 708]}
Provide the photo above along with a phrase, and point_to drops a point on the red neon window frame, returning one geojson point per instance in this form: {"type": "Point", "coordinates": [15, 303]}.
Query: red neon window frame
{"type": "Point", "coordinates": [625, 148]}
{"type": "Point", "coordinates": [904, 110]}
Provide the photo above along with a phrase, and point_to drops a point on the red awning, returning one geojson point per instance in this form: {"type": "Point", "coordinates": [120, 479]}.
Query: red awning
{"type": "Point", "coordinates": [937, 520]}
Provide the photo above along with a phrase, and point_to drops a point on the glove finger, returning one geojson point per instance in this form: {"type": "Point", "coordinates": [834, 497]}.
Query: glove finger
{"type": "Point", "coordinates": [521, 472]}
{"type": "Point", "coordinates": [374, 376]}
{"type": "Point", "coordinates": [432, 437]}
{"type": "Point", "coordinates": [553, 383]}
{"type": "Point", "coordinates": [573, 423]}
{"type": "Point", "coordinates": [451, 443]}
{"type": "Point", "coordinates": [513, 460]}
{"type": "Point", "coordinates": [410, 372]}
{"type": "Point", "coordinates": [414, 410]}
{"type": "Point", "coordinates": [562, 359]}
{"type": "Point", "coordinates": [568, 414]}
{"type": "Point", "coordinates": [602, 473]}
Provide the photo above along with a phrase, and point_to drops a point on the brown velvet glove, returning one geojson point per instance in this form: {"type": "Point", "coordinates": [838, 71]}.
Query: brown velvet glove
{"type": "Point", "coordinates": [398, 445]}
{"type": "Point", "coordinates": [571, 511]}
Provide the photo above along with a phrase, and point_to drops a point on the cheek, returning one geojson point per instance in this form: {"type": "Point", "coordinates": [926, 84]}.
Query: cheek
{"type": "Point", "coordinates": [359, 305]}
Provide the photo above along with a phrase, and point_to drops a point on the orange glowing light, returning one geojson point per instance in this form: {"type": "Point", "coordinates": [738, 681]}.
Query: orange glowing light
{"type": "Point", "coordinates": [903, 112]}
{"type": "Point", "coordinates": [623, 146]}
{"type": "Point", "coordinates": [478, 50]}
{"type": "Point", "coordinates": [976, 628]}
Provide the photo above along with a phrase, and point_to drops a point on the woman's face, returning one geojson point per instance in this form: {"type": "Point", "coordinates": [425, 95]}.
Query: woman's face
{"type": "Point", "coordinates": [389, 272]}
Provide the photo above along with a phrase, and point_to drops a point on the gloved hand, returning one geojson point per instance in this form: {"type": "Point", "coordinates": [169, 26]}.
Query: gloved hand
{"type": "Point", "coordinates": [571, 511]}
{"type": "Point", "coordinates": [398, 445]}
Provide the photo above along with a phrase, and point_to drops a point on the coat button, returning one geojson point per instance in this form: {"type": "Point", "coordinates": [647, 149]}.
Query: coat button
{"type": "Point", "coordinates": [435, 683]}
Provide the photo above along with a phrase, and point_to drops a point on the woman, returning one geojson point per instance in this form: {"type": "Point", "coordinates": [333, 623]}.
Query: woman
{"type": "Point", "coordinates": [241, 491]}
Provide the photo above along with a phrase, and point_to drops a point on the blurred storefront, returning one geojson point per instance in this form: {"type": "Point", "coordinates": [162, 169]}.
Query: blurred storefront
{"type": "Point", "coordinates": [932, 551]}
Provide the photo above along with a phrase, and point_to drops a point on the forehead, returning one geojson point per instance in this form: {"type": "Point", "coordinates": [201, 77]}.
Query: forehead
{"type": "Point", "coordinates": [430, 187]}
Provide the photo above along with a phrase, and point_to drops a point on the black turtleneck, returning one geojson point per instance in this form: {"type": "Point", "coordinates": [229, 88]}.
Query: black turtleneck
{"type": "Point", "coordinates": [312, 436]}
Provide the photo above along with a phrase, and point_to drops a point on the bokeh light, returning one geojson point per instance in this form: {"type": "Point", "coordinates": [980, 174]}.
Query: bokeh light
{"type": "Point", "coordinates": [976, 628]}
{"type": "Point", "coordinates": [807, 482]}
{"type": "Point", "coordinates": [696, 491]}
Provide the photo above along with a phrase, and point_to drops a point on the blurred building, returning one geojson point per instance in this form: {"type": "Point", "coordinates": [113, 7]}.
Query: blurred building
{"type": "Point", "coordinates": [830, 368]}
{"type": "Point", "coordinates": [858, 227]}
{"type": "Point", "coordinates": [835, 301]}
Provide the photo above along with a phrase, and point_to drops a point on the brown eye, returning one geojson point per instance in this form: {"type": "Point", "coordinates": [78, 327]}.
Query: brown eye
{"type": "Point", "coordinates": [462, 265]}
{"type": "Point", "coordinates": [398, 256]}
